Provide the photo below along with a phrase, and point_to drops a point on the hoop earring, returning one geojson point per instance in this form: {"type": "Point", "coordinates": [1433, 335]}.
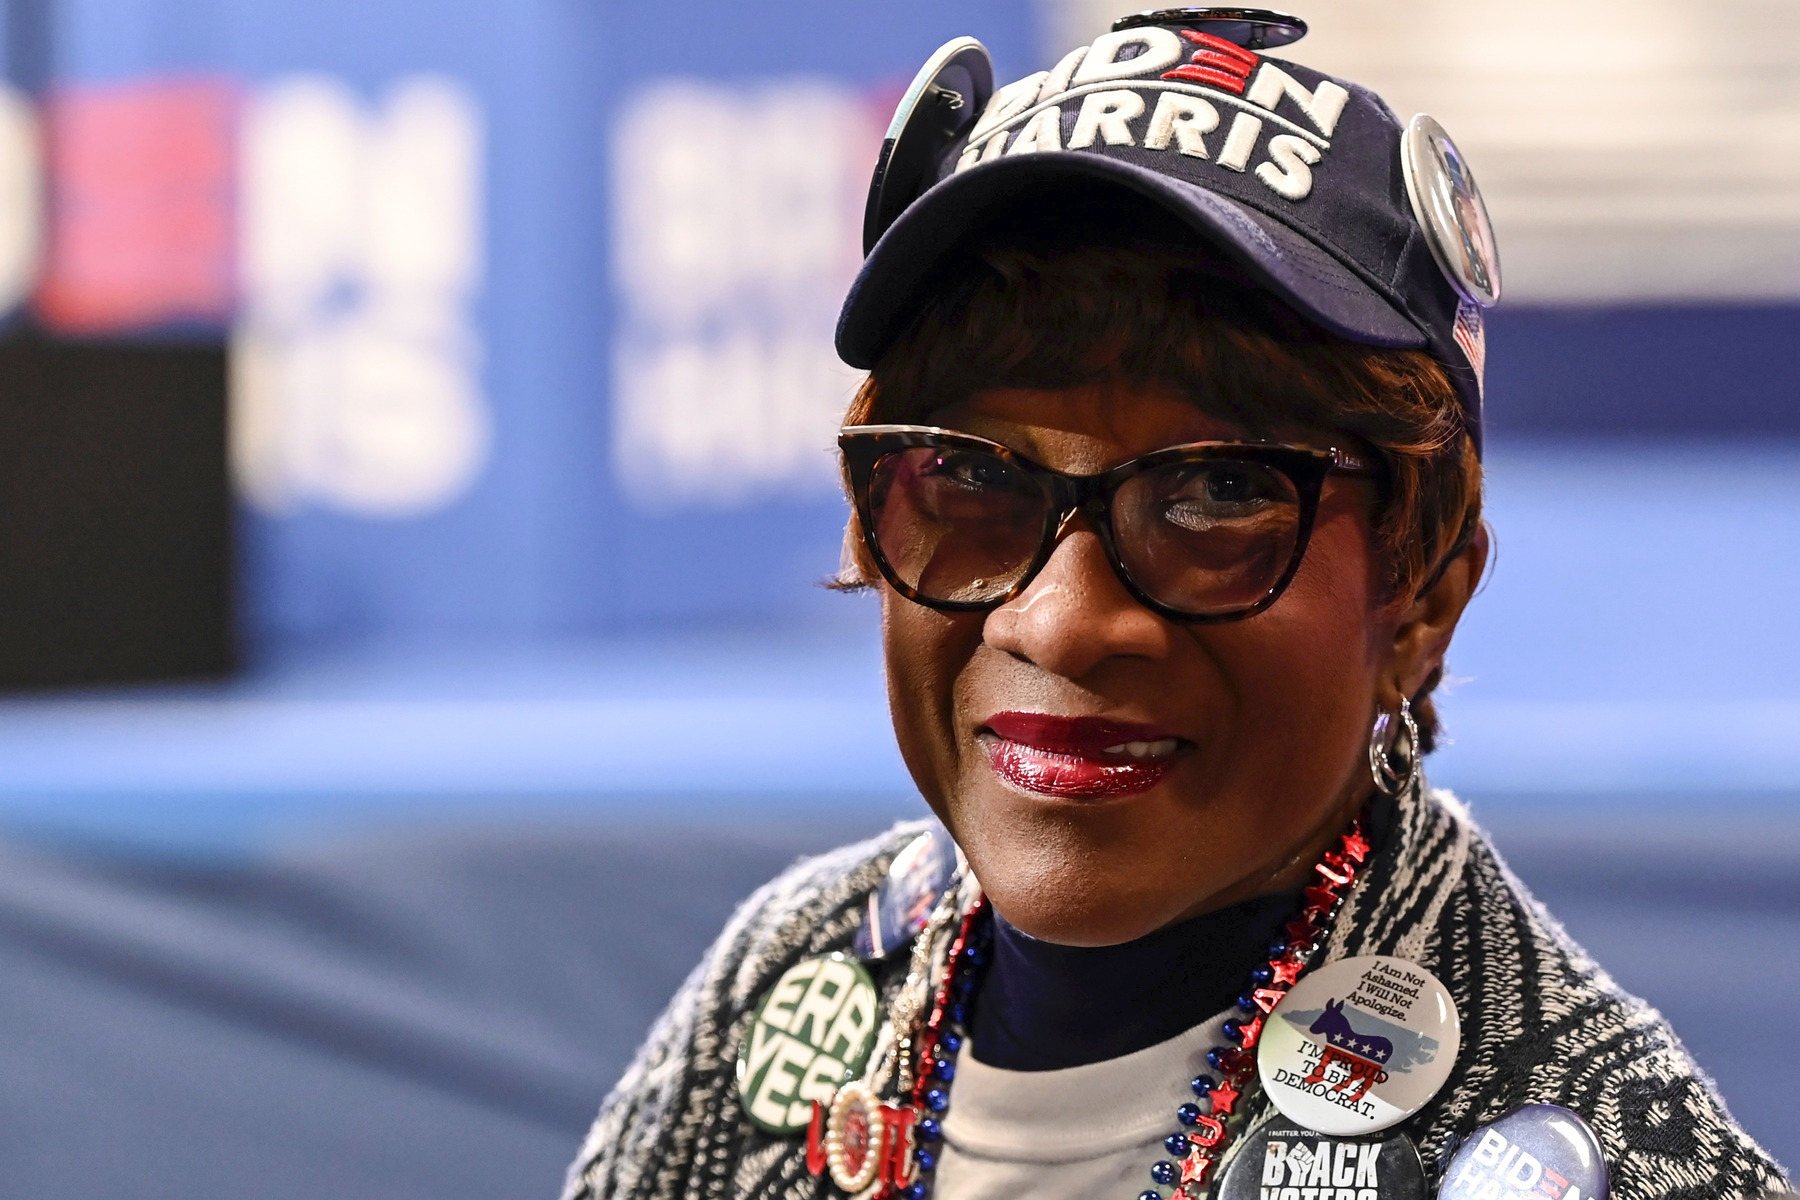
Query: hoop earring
{"type": "Point", "coordinates": [1384, 751]}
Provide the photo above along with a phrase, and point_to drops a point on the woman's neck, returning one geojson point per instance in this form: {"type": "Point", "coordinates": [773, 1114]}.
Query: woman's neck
{"type": "Point", "coordinates": [1044, 1006]}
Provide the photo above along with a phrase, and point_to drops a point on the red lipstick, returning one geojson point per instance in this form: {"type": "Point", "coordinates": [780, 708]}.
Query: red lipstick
{"type": "Point", "coordinates": [1078, 757]}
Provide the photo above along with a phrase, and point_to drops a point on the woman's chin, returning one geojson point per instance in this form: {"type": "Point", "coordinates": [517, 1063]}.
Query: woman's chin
{"type": "Point", "coordinates": [1077, 918]}
{"type": "Point", "coordinates": [1051, 880]}
{"type": "Point", "coordinates": [1088, 865]}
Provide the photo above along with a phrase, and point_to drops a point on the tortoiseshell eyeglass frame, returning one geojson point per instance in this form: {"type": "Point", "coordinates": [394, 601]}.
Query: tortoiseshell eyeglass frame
{"type": "Point", "coordinates": [864, 446]}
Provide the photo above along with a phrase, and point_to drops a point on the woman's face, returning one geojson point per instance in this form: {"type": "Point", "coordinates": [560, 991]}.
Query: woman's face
{"type": "Point", "coordinates": [1246, 742]}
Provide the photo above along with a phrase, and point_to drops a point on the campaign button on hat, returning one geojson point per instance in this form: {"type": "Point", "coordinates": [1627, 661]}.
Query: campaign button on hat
{"type": "Point", "coordinates": [811, 1034]}
{"type": "Point", "coordinates": [1359, 1045]}
{"type": "Point", "coordinates": [1542, 1151]}
{"type": "Point", "coordinates": [1450, 210]}
{"type": "Point", "coordinates": [1283, 1161]}
{"type": "Point", "coordinates": [1251, 28]}
{"type": "Point", "coordinates": [946, 96]}
{"type": "Point", "coordinates": [899, 908]}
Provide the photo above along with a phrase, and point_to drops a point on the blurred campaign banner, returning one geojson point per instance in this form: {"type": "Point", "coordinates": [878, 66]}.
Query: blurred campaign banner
{"type": "Point", "coordinates": [341, 240]}
{"type": "Point", "coordinates": [732, 251]}
{"type": "Point", "coordinates": [356, 360]}
{"type": "Point", "coordinates": [528, 316]}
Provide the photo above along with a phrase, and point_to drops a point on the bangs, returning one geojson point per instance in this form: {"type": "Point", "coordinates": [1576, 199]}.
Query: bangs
{"type": "Point", "coordinates": [1021, 317]}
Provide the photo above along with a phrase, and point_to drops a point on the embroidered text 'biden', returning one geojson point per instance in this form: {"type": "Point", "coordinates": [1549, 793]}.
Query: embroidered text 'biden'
{"type": "Point", "coordinates": [1178, 92]}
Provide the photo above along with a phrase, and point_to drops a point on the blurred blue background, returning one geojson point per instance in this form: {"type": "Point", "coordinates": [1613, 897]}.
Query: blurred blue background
{"type": "Point", "coordinates": [532, 399]}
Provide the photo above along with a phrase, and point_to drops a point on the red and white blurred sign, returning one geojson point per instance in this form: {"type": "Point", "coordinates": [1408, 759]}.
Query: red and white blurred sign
{"type": "Point", "coordinates": [141, 200]}
{"type": "Point", "coordinates": [342, 240]}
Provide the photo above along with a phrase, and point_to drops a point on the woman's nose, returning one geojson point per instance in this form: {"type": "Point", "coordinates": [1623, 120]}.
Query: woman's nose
{"type": "Point", "coordinates": [1076, 614]}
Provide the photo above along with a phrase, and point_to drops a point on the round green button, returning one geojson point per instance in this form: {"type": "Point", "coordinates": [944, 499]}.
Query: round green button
{"type": "Point", "coordinates": [812, 1034]}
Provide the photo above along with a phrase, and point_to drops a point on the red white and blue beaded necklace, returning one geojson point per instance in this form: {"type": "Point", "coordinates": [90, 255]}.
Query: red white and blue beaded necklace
{"type": "Point", "coordinates": [862, 1142]}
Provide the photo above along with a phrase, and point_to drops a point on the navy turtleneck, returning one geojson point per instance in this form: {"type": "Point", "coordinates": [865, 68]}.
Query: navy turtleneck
{"type": "Point", "coordinates": [1043, 1007]}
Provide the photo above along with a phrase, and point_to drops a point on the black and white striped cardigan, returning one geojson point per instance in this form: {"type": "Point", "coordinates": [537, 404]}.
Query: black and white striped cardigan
{"type": "Point", "coordinates": [1541, 1022]}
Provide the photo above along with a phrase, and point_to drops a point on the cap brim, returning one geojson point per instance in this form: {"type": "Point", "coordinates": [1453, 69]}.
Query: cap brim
{"type": "Point", "coordinates": [908, 258]}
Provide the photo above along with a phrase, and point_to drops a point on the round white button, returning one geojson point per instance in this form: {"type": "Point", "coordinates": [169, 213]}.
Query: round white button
{"type": "Point", "coordinates": [1359, 1045]}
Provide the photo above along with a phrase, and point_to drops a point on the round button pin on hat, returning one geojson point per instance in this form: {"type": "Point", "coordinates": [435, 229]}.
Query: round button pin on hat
{"type": "Point", "coordinates": [811, 1034]}
{"type": "Point", "coordinates": [946, 96]}
{"type": "Point", "coordinates": [1450, 210]}
{"type": "Point", "coordinates": [1541, 1150]}
{"type": "Point", "coordinates": [1281, 1157]}
{"type": "Point", "coordinates": [1359, 1045]}
{"type": "Point", "coordinates": [1251, 28]}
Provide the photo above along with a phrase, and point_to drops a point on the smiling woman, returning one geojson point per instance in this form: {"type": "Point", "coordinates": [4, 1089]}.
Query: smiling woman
{"type": "Point", "coordinates": [1096, 343]}
{"type": "Point", "coordinates": [1168, 479]}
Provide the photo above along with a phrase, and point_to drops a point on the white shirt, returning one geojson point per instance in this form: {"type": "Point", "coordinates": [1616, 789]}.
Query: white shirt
{"type": "Point", "coordinates": [1084, 1133]}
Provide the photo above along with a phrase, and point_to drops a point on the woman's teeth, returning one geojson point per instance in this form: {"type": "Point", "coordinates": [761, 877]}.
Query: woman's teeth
{"type": "Point", "coordinates": [1161, 748]}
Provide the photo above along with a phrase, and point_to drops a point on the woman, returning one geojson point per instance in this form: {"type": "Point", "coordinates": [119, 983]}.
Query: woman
{"type": "Point", "coordinates": [1167, 473]}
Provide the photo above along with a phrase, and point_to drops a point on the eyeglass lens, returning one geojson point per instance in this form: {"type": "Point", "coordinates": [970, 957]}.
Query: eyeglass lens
{"type": "Point", "coordinates": [955, 524]}
{"type": "Point", "coordinates": [1201, 537]}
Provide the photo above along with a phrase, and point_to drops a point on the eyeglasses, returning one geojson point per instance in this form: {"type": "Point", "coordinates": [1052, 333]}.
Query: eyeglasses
{"type": "Point", "coordinates": [1207, 532]}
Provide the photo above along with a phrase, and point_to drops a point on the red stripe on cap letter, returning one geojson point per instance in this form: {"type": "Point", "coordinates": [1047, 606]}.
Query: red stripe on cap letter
{"type": "Point", "coordinates": [1221, 46]}
{"type": "Point", "coordinates": [1230, 83]}
{"type": "Point", "coordinates": [1231, 66]}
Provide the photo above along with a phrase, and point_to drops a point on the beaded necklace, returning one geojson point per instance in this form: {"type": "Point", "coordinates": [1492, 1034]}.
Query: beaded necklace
{"type": "Point", "coordinates": [861, 1141]}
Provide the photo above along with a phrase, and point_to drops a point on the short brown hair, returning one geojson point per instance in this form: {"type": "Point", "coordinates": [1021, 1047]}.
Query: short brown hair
{"type": "Point", "coordinates": [1056, 316]}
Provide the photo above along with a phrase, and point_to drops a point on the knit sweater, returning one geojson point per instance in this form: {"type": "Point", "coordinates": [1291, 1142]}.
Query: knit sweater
{"type": "Point", "coordinates": [1541, 1022]}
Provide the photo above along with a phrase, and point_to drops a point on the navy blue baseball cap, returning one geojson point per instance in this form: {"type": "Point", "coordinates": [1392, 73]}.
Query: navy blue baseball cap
{"type": "Point", "coordinates": [1372, 228]}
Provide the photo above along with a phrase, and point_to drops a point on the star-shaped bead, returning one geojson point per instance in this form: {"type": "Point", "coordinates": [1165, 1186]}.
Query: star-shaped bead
{"type": "Point", "coordinates": [1354, 844]}
{"type": "Point", "coordinates": [1195, 1168]}
{"type": "Point", "coordinates": [1319, 897]}
{"type": "Point", "coordinates": [1250, 1032]}
{"type": "Point", "coordinates": [1224, 1098]}
{"type": "Point", "coordinates": [1286, 970]}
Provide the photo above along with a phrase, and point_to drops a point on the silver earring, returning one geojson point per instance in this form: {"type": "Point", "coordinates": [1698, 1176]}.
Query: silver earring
{"type": "Point", "coordinates": [1385, 751]}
